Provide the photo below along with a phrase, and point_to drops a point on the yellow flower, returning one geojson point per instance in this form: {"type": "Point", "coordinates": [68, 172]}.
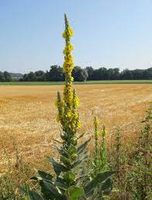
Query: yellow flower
{"type": "Point", "coordinates": [67, 107]}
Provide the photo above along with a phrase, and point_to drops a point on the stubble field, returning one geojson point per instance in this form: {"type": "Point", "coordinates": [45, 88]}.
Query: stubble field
{"type": "Point", "coordinates": [28, 116]}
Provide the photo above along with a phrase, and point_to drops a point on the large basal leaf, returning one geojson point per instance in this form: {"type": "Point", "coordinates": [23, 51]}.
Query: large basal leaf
{"type": "Point", "coordinates": [50, 191]}
{"type": "Point", "coordinates": [99, 179]}
{"type": "Point", "coordinates": [75, 193]}
{"type": "Point", "coordinates": [107, 186]}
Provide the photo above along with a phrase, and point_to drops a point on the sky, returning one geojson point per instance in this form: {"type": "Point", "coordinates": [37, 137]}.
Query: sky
{"type": "Point", "coordinates": [108, 33]}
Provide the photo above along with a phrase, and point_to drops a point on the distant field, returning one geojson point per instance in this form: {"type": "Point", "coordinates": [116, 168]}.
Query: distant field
{"type": "Point", "coordinates": [28, 114]}
{"type": "Point", "coordinates": [87, 82]}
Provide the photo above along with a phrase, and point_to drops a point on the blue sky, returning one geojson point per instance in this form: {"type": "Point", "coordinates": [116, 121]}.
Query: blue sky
{"type": "Point", "coordinates": [112, 33]}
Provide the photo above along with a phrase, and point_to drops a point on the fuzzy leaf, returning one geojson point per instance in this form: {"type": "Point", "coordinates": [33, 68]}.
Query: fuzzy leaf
{"type": "Point", "coordinates": [107, 186]}
{"type": "Point", "coordinates": [58, 168]}
{"type": "Point", "coordinates": [43, 176]}
{"type": "Point", "coordinates": [99, 179]}
{"type": "Point", "coordinates": [79, 160]}
{"type": "Point", "coordinates": [50, 191]}
{"type": "Point", "coordinates": [60, 183]}
{"type": "Point", "coordinates": [82, 147]}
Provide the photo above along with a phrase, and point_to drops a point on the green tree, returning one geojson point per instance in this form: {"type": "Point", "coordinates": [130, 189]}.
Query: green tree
{"type": "Point", "coordinates": [90, 72]}
{"type": "Point", "coordinates": [113, 74]}
{"type": "Point", "coordinates": [2, 78]}
{"type": "Point", "coordinates": [39, 75]}
{"type": "Point", "coordinates": [55, 73]}
{"type": "Point", "coordinates": [31, 76]}
{"type": "Point", "coordinates": [126, 74]}
{"type": "Point", "coordinates": [79, 74]}
{"type": "Point", "coordinates": [7, 76]}
{"type": "Point", "coordinates": [100, 74]}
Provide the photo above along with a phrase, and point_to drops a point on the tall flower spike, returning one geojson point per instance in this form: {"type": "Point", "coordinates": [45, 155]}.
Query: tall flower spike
{"type": "Point", "coordinates": [69, 117]}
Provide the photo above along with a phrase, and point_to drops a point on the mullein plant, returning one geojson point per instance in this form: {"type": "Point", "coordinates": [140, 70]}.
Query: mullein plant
{"type": "Point", "coordinates": [96, 148]}
{"type": "Point", "coordinates": [100, 153]}
{"type": "Point", "coordinates": [68, 182]}
{"type": "Point", "coordinates": [100, 164]}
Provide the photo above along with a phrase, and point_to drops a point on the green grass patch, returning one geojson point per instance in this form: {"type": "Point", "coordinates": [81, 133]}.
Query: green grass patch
{"type": "Point", "coordinates": [79, 83]}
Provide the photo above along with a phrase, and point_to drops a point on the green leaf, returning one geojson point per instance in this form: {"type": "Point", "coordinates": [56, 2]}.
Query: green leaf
{"type": "Point", "coordinates": [43, 176]}
{"type": "Point", "coordinates": [74, 193]}
{"type": "Point", "coordinates": [99, 179]}
{"type": "Point", "coordinates": [60, 183]}
{"type": "Point", "coordinates": [79, 161]}
{"type": "Point", "coordinates": [72, 150]}
{"type": "Point", "coordinates": [50, 191]}
{"type": "Point", "coordinates": [66, 161]}
{"type": "Point", "coordinates": [107, 186]}
{"type": "Point", "coordinates": [58, 168]}
{"type": "Point", "coordinates": [83, 146]}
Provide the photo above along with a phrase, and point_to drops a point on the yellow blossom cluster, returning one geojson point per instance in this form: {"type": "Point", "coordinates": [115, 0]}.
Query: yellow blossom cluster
{"type": "Point", "coordinates": [68, 32]}
{"type": "Point", "coordinates": [67, 107]}
{"type": "Point", "coordinates": [68, 48]}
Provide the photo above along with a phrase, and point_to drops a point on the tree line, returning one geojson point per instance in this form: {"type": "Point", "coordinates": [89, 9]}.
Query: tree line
{"type": "Point", "coordinates": [5, 76]}
{"type": "Point", "coordinates": [55, 73]}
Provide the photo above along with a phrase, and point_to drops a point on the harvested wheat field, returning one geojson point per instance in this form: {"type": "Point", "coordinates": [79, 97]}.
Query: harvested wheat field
{"type": "Point", "coordinates": [28, 116]}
